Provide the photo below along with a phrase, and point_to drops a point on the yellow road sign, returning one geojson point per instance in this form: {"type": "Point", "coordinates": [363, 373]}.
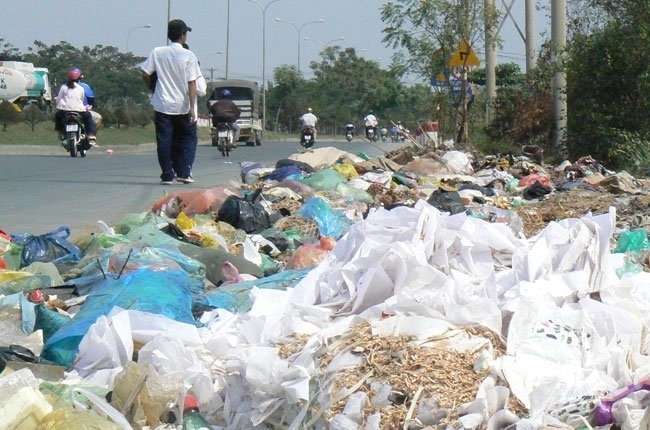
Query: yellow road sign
{"type": "Point", "coordinates": [464, 56]}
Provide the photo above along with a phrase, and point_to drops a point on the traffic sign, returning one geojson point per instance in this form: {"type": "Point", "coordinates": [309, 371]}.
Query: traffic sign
{"type": "Point", "coordinates": [464, 56]}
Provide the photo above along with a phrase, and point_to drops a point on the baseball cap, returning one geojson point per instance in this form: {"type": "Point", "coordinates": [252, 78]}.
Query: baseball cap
{"type": "Point", "coordinates": [176, 27]}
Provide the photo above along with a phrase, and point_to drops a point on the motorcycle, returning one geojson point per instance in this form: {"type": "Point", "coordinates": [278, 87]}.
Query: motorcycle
{"type": "Point", "coordinates": [383, 132]}
{"type": "Point", "coordinates": [371, 133]}
{"type": "Point", "coordinates": [307, 137]}
{"type": "Point", "coordinates": [349, 133]}
{"type": "Point", "coordinates": [222, 137]}
{"type": "Point", "coordinates": [394, 135]}
{"type": "Point", "coordinates": [75, 139]}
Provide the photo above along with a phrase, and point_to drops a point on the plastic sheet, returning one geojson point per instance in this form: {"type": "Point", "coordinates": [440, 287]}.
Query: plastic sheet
{"type": "Point", "coordinates": [236, 297]}
{"type": "Point", "coordinates": [164, 292]}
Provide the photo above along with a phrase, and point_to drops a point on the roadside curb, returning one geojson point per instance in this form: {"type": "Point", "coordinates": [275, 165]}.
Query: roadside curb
{"type": "Point", "coordinates": [58, 149]}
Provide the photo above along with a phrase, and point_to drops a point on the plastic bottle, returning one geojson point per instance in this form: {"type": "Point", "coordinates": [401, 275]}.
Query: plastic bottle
{"type": "Point", "coordinates": [192, 418]}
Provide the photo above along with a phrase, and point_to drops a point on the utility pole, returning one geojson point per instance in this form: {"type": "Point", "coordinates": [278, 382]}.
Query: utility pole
{"type": "Point", "coordinates": [491, 33]}
{"type": "Point", "coordinates": [558, 42]}
{"type": "Point", "coordinates": [227, 36]}
{"type": "Point", "coordinates": [211, 70]}
{"type": "Point", "coordinates": [530, 36]}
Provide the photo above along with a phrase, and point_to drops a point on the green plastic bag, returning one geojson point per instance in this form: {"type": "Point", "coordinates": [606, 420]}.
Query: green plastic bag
{"type": "Point", "coordinates": [632, 241]}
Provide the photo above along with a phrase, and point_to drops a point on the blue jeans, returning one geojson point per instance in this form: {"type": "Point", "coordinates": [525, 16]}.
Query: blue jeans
{"type": "Point", "coordinates": [175, 142]}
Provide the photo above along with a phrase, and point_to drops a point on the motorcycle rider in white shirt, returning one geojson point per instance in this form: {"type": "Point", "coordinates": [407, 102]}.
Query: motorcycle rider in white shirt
{"type": "Point", "coordinates": [370, 121]}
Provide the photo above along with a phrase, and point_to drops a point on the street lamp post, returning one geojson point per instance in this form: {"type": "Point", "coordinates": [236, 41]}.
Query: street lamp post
{"type": "Point", "coordinates": [324, 44]}
{"type": "Point", "coordinates": [129, 34]}
{"type": "Point", "coordinates": [299, 30]}
{"type": "Point", "coordinates": [263, 10]}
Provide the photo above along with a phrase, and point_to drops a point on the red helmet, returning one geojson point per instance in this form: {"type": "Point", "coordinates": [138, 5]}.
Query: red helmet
{"type": "Point", "coordinates": [74, 74]}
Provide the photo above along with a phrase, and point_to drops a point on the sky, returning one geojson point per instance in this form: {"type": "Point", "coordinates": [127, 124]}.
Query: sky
{"type": "Point", "coordinates": [123, 23]}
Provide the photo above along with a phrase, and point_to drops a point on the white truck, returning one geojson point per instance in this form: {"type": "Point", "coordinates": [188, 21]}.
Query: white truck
{"type": "Point", "coordinates": [246, 94]}
{"type": "Point", "coordinates": [23, 84]}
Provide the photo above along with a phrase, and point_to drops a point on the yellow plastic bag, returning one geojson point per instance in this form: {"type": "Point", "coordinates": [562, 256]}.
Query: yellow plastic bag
{"type": "Point", "coordinates": [346, 170]}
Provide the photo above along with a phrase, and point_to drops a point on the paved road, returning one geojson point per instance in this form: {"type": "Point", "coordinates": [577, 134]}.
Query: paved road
{"type": "Point", "coordinates": [42, 188]}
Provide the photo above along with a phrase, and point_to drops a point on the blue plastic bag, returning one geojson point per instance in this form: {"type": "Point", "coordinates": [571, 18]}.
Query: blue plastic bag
{"type": "Point", "coordinates": [51, 247]}
{"type": "Point", "coordinates": [332, 223]}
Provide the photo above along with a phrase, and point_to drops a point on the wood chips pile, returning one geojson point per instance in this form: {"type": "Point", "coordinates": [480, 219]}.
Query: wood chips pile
{"type": "Point", "coordinates": [417, 374]}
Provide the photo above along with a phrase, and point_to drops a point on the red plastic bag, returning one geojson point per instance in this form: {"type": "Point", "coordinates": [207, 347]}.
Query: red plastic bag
{"type": "Point", "coordinates": [529, 180]}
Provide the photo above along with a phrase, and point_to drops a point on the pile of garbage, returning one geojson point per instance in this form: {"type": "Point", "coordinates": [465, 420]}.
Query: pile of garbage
{"type": "Point", "coordinates": [423, 289]}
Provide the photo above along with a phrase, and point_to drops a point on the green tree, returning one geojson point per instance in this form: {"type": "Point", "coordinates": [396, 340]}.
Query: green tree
{"type": "Point", "coordinates": [32, 115]}
{"type": "Point", "coordinates": [8, 52]}
{"type": "Point", "coordinates": [347, 86]}
{"type": "Point", "coordinates": [114, 76]}
{"type": "Point", "coordinates": [608, 92]}
{"type": "Point", "coordinates": [507, 75]}
{"type": "Point", "coordinates": [284, 97]}
{"type": "Point", "coordinates": [9, 114]}
{"type": "Point", "coordinates": [429, 32]}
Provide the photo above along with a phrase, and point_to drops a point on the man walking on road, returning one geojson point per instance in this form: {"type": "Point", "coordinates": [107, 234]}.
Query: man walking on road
{"type": "Point", "coordinates": [174, 102]}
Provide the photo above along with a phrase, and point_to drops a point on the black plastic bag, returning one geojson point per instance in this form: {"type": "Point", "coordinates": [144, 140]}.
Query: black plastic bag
{"type": "Point", "coordinates": [535, 191]}
{"type": "Point", "coordinates": [447, 201]}
{"type": "Point", "coordinates": [50, 247]}
{"type": "Point", "coordinates": [246, 213]}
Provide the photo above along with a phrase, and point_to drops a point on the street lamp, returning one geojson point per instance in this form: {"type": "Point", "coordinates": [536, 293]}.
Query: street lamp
{"type": "Point", "coordinates": [211, 69]}
{"type": "Point", "coordinates": [129, 34]}
{"type": "Point", "coordinates": [299, 30]}
{"type": "Point", "coordinates": [324, 44]}
{"type": "Point", "coordinates": [263, 10]}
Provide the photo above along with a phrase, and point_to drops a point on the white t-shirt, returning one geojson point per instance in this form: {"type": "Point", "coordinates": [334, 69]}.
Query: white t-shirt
{"type": "Point", "coordinates": [309, 119]}
{"type": "Point", "coordinates": [176, 66]}
{"type": "Point", "coordinates": [371, 120]}
{"type": "Point", "coordinates": [71, 99]}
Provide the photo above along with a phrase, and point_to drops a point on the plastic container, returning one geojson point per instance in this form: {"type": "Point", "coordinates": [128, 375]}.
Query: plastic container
{"type": "Point", "coordinates": [13, 380]}
{"type": "Point", "coordinates": [192, 418]}
{"type": "Point", "coordinates": [24, 410]}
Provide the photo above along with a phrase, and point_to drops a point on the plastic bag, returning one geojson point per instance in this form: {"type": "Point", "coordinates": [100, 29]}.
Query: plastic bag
{"type": "Point", "coordinates": [632, 241]}
{"type": "Point", "coordinates": [330, 222]}
{"type": "Point", "coordinates": [49, 247]}
{"type": "Point", "coordinates": [346, 170]}
{"type": "Point", "coordinates": [446, 201]}
{"type": "Point", "coordinates": [192, 202]}
{"type": "Point", "coordinates": [245, 213]}
{"type": "Point", "coordinates": [311, 254]}
{"type": "Point", "coordinates": [529, 180]}
{"type": "Point", "coordinates": [323, 180]}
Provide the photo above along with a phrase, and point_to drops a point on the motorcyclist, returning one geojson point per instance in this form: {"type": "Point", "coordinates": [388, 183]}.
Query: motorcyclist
{"type": "Point", "coordinates": [370, 121]}
{"type": "Point", "coordinates": [383, 132]}
{"type": "Point", "coordinates": [349, 127]}
{"type": "Point", "coordinates": [224, 110]}
{"type": "Point", "coordinates": [307, 120]}
{"type": "Point", "coordinates": [401, 130]}
{"type": "Point", "coordinates": [71, 98]}
{"type": "Point", "coordinates": [91, 104]}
